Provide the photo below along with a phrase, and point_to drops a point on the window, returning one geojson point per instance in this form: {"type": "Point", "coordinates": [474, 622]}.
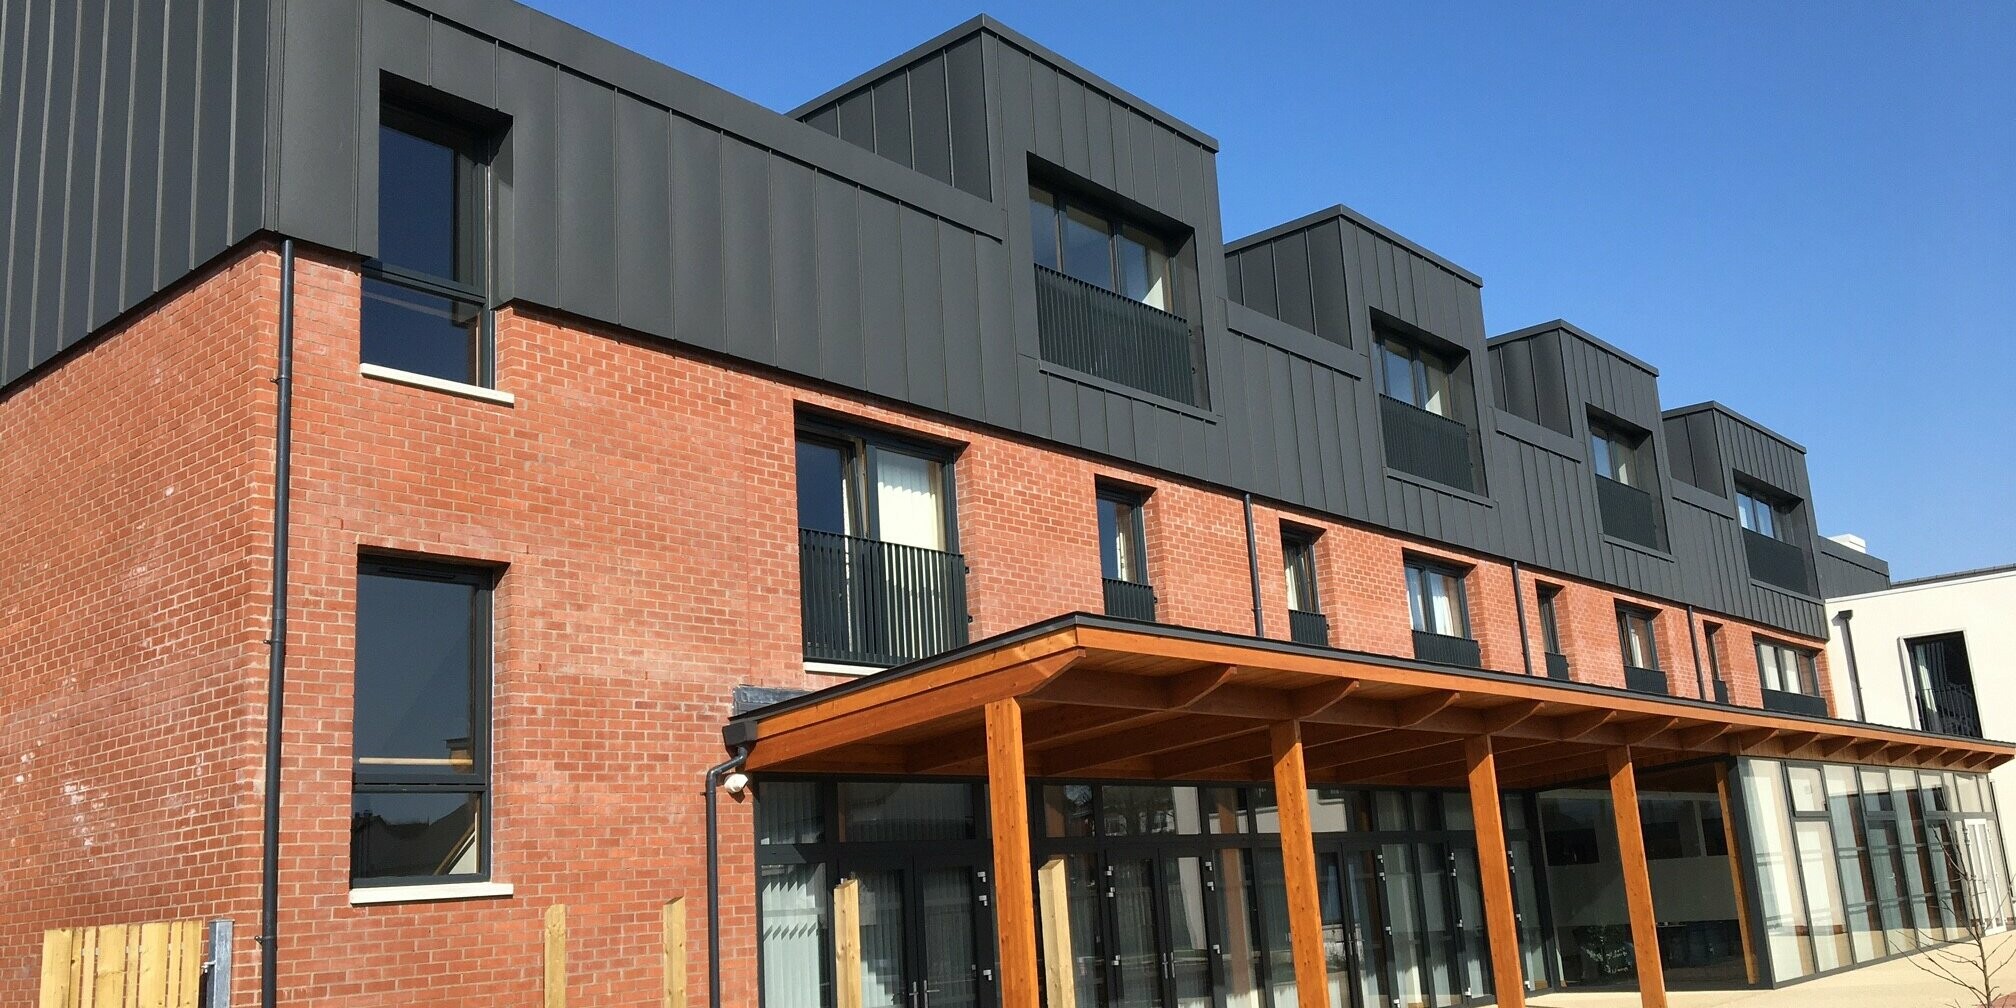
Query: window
{"type": "Point", "coordinates": [1123, 556]}
{"type": "Point", "coordinates": [1122, 553]}
{"type": "Point", "coordinates": [1417, 377]}
{"type": "Point", "coordinates": [1759, 515]}
{"type": "Point", "coordinates": [1435, 600]}
{"type": "Point", "coordinates": [1945, 683]}
{"type": "Point", "coordinates": [1550, 625]}
{"type": "Point", "coordinates": [421, 737]}
{"type": "Point", "coordinates": [1306, 624]}
{"type": "Point", "coordinates": [426, 294]}
{"type": "Point", "coordinates": [882, 582]}
{"type": "Point", "coordinates": [850, 486]}
{"type": "Point", "coordinates": [1093, 246]}
{"type": "Point", "coordinates": [1298, 562]}
{"type": "Point", "coordinates": [1614, 454]}
{"type": "Point", "coordinates": [1634, 634]}
{"type": "Point", "coordinates": [1712, 642]}
{"type": "Point", "coordinates": [1787, 669]}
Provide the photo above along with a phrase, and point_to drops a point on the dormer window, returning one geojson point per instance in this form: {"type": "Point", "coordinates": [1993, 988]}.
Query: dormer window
{"type": "Point", "coordinates": [1094, 246]}
{"type": "Point", "coordinates": [1417, 376]}
{"type": "Point", "coordinates": [1759, 514]}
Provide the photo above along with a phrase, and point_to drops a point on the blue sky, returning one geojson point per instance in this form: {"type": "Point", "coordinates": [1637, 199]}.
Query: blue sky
{"type": "Point", "coordinates": [1808, 213]}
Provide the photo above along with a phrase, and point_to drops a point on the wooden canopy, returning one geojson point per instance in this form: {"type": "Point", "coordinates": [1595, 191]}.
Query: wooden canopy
{"type": "Point", "coordinates": [1114, 699]}
{"type": "Point", "coordinates": [1089, 696]}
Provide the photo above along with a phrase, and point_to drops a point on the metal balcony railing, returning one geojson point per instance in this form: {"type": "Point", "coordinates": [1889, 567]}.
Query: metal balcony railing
{"type": "Point", "coordinates": [1628, 512]}
{"type": "Point", "coordinates": [1776, 562]}
{"type": "Point", "coordinates": [1426, 444]}
{"type": "Point", "coordinates": [1645, 680]}
{"type": "Point", "coordinates": [1448, 650]}
{"type": "Point", "coordinates": [1308, 628]}
{"type": "Point", "coordinates": [1794, 703]}
{"type": "Point", "coordinates": [1557, 666]}
{"type": "Point", "coordinates": [1088, 328]}
{"type": "Point", "coordinates": [877, 603]}
{"type": "Point", "coordinates": [1130, 600]}
{"type": "Point", "coordinates": [1950, 710]}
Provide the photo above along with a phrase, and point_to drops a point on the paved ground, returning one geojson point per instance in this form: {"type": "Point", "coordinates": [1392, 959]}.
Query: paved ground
{"type": "Point", "coordinates": [1895, 984]}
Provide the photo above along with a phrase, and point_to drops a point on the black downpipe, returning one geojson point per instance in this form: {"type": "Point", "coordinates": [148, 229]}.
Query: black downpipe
{"type": "Point", "coordinates": [1253, 567]}
{"type": "Point", "coordinates": [1848, 652]}
{"type": "Point", "coordinates": [1694, 644]}
{"type": "Point", "coordinates": [276, 641]}
{"type": "Point", "coordinates": [714, 775]}
{"type": "Point", "coordinates": [1519, 603]}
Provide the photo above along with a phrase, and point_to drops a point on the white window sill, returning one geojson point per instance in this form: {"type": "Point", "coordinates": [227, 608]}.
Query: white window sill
{"type": "Point", "coordinates": [416, 380]}
{"type": "Point", "coordinates": [429, 893]}
{"type": "Point", "coordinates": [840, 668]}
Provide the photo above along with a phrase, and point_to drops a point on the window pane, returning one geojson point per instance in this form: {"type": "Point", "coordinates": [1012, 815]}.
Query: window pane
{"type": "Point", "coordinates": [1148, 810]}
{"type": "Point", "coordinates": [415, 665]}
{"type": "Point", "coordinates": [1767, 520]}
{"type": "Point", "coordinates": [1417, 607]}
{"type": "Point", "coordinates": [793, 900]}
{"type": "Point", "coordinates": [1440, 390]}
{"type": "Point", "coordinates": [1043, 227]}
{"type": "Point", "coordinates": [1443, 604]}
{"type": "Point", "coordinates": [1088, 248]}
{"type": "Point", "coordinates": [1143, 267]}
{"type": "Point", "coordinates": [417, 203]}
{"type": "Point", "coordinates": [423, 333]}
{"type": "Point", "coordinates": [822, 487]}
{"type": "Point", "coordinates": [906, 812]}
{"type": "Point", "coordinates": [1767, 668]}
{"type": "Point", "coordinates": [1225, 810]}
{"type": "Point", "coordinates": [1399, 374]}
{"type": "Point", "coordinates": [1109, 538]}
{"type": "Point", "coordinates": [908, 507]}
{"type": "Point", "coordinates": [415, 835]}
{"type": "Point", "coordinates": [1067, 810]}
{"type": "Point", "coordinates": [787, 812]}
{"type": "Point", "coordinates": [1599, 454]}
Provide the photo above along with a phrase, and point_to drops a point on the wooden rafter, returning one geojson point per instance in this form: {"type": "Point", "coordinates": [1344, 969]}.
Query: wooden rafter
{"type": "Point", "coordinates": [1310, 701]}
{"type": "Point", "coordinates": [1415, 710]}
{"type": "Point", "coordinates": [1576, 726]}
{"type": "Point", "coordinates": [1638, 731]}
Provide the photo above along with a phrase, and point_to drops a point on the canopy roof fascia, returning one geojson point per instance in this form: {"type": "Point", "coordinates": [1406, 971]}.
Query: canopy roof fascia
{"type": "Point", "coordinates": [1116, 699]}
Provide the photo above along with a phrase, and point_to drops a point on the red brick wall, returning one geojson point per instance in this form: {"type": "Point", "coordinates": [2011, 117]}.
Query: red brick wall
{"type": "Point", "coordinates": [134, 558]}
{"type": "Point", "coordinates": [639, 503]}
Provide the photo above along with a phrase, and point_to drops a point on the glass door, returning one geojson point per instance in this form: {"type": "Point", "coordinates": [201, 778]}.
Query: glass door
{"type": "Point", "coordinates": [926, 938]}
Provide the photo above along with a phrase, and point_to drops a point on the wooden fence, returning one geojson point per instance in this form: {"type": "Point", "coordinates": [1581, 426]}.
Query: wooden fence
{"type": "Point", "coordinates": [157, 965]}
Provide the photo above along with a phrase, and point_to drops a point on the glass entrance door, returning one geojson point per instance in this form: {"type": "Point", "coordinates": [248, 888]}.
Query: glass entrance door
{"type": "Point", "coordinates": [1410, 924]}
{"type": "Point", "coordinates": [925, 933]}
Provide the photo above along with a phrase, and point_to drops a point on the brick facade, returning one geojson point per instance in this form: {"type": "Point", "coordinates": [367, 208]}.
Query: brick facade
{"type": "Point", "coordinates": [638, 502]}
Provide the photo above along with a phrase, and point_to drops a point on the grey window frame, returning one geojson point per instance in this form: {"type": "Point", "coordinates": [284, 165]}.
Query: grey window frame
{"type": "Point", "coordinates": [1418, 570]}
{"type": "Point", "coordinates": [1754, 507]}
{"type": "Point", "coordinates": [1805, 664]}
{"type": "Point", "coordinates": [1626, 614]}
{"type": "Point", "coordinates": [1420, 359]}
{"type": "Point", "coordinates": [1298, 549]}
{"type": "Point", "coordinates": [476, 151]}
{"type": "Point", "coordinates": [1550, 619]}
{"type": "Point", "coordinates": [483, 665]}
{"type": "Point", "coordinates": [1607, 441]}
{"type": "Point", "coordinates": [858, 447]}
{"type": "Point", "coordinates": [1060, 205]}
{"type": "Point", "coordinates": [1134, 529]}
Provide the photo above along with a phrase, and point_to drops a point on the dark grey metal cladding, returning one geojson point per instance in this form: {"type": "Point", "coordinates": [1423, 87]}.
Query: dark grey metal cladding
{"type": "Point", "coordinates": [1747, 452]}
{"type": "Point", "coordinates": [135, 138]}
{"type": "Point", "coordinates": [643, 198]}
{"type": "Point", "coordinates": [632, 194]}
{"type": "Point", "coordinates": [1550, 512]}
{"type": "Point", "coordinates": [1845, 570]}
{"type": "Point", "coordinates": [1335, 269]}
{"type": "Point", "coordinates": [927, 113]}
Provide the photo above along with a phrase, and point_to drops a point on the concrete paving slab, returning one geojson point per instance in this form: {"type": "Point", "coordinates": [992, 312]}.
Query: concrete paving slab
{"type": "Point", "coordinates": [1894, 984]}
